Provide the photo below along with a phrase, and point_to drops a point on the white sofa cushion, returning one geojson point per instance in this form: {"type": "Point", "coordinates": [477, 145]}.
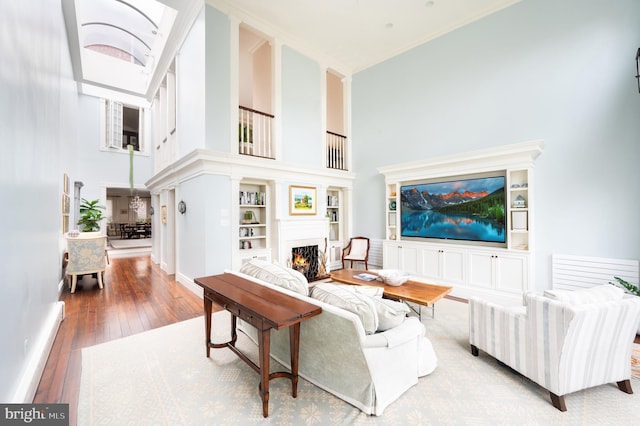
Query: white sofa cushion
{"type": "Point", "coordinates": [390, 313]}
{"type": "Point", "coordinates": [341, 296]}
{"type": "Point", "coordinates": [596, 294]}
{"type": "Point", "coordinates": [277, 274]}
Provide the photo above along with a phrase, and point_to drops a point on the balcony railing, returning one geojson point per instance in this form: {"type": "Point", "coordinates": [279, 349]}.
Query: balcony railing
{"type": "Point", "coordinates": [255, 133]}
{"type": "Point", "coordinates": [336, 151]}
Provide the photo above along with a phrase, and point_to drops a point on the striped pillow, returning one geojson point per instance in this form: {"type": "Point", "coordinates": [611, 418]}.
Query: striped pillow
{"type": "Point", "coordinates": [596, 294]}
{"type": "Point", "coordinates": [277, 274]}
{"type": "Point", "coordinates": [342, 296]}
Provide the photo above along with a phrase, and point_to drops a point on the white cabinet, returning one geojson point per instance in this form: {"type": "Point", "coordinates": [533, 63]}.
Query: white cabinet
{"type": "Point", "coordinates": [429, 261]}
{"type": "Point", "coordinates": [334, 258]}
{"type": "Point", "coordinates": [400, 255]}
{"type": "Point", "coordinates": [502, 271]}
{"type": "Point", "coordinates": [245, 256]}
{"type": "Point", "coordinates": [465, 268]}
{"type": "Point", "coordinates": [443, 264]}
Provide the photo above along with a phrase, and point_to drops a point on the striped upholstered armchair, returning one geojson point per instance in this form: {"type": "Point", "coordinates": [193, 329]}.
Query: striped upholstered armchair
{"type": "Point", "coordinates": [565, 341]}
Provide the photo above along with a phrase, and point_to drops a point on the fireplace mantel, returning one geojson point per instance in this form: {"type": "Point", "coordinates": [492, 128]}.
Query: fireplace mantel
{"type": "Point", "coordinates": [295, 233]}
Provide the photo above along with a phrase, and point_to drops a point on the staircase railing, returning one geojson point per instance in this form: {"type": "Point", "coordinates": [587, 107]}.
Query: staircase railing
{"type": "Point", "coordinates": [336, 151]}
{"type": "Point", "coordinates": [255, 133]}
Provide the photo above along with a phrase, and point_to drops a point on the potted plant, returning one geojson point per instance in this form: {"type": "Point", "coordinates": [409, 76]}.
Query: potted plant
{"type": "Point", "coordinates": [90, 215]}
{"type": "Point", "coordinates": [630, 288]}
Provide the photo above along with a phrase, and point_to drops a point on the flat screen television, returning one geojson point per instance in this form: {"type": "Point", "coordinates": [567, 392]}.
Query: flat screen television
{"type": "Point", "coordinates": [463, 209]}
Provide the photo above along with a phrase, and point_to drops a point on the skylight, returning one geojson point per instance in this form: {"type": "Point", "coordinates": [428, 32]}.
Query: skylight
{"type": "Point", "coordinates": [124, 29]}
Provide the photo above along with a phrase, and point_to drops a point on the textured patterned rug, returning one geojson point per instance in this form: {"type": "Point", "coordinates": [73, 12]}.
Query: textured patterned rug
{"type": "Point", "coordinates": [163, 377]}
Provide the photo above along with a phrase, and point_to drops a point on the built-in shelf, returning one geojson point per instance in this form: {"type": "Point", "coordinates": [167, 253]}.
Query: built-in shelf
{"type": "Point", "coordinates": [472, 268]}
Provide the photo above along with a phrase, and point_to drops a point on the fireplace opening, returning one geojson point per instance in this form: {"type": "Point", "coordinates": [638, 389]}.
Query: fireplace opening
{"type": "Point", "coordinates": [308, 260]}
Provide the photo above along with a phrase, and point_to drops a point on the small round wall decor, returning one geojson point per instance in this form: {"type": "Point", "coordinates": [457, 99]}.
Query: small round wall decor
{"type": "Point", "coordinates": [392, 205]}
{"type": "Point", "coordinates": [182, 207]}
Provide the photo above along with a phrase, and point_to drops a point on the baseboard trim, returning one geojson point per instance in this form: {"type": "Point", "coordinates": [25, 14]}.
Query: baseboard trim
{"type": "Point", "coordinates": [189, 284]}
{"type": "Point", "coordinates": [37, 358]}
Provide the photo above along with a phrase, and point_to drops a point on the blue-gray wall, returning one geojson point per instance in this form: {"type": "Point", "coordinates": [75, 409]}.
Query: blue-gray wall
{"type": "Point", "coordinates": [301, 109]}
{"type": "Point", "coordinates": [217, 79]}
{"type": "Point", "coordinates": [204, 235]}
{"type": "Point", "coordinates": [557, 71]}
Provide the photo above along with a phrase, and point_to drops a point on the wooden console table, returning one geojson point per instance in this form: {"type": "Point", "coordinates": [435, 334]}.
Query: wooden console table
{"type": "Point", "coordinates": [264, 308]}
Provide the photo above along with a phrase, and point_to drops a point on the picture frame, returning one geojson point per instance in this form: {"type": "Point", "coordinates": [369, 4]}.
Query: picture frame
{"type": "Point", "coordinates": [66, 204]}
{"type": "Point", "coordinates": [65, 183]}
{"type": "Point", "coordinates": [302, 200]}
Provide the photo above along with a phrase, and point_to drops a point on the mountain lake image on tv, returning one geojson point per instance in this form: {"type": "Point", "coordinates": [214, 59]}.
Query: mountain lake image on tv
{"type": "Point", "coordinates": [469, 209]}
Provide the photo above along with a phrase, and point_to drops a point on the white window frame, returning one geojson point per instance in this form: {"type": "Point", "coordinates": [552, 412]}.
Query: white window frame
{"type": "Point", "coordinates": [111, 127]}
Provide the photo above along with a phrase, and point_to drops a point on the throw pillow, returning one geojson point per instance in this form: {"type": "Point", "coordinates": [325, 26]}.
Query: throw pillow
{"type": "Point", "coordinates": [595, 294]}
{"type": "Point", "coordinates": [341, 296]}
{"type": "Point", "coordinates": [390, 313]}
{"type": "Point", "coordinates": [277, 274]}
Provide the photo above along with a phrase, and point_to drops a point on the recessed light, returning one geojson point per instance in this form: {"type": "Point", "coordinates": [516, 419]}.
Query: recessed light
{"type": "Point", "coordinates": [389, 25]}
{"type": "Point", "coordinates": [429, 3]}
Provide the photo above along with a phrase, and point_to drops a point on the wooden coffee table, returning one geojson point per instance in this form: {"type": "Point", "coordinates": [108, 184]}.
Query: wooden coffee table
{"type": "Point", "coordinates": [412, 291]}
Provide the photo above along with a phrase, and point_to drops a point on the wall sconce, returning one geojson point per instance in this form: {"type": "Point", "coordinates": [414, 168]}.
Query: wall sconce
{"type": "Point", "coordinates": [638, 68]}
{"type": "Point", "coordinates": [151, 211]}
{"type": "Point", "coordinates": [182, 207]}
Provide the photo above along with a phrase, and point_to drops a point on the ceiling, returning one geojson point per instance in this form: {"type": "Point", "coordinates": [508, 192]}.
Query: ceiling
{"type": "Point", "coordinates": [357, 34]}
{"type": "Point", "coordinates": [350, 35]}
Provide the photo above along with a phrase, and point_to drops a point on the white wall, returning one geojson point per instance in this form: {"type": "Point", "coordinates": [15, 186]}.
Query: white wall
{"type": "Point", "coordinates": [190, 80]}
{"type": "Point", "coordinates": [99, 169]}
{"type": "Point", "coordinates": [37, 107]}
{"type": "Point", "coordinates": [536, 70]}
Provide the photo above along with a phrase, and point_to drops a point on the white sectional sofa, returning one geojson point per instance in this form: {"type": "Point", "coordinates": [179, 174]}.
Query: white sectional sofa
{"type": "Point", "coordinates": [338, 353]}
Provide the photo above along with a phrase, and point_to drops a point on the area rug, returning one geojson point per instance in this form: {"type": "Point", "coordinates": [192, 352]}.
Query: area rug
{"type": "Point", "coordinates": [635, 361]}
{"type": "Point", "coordinates": [162, 377]}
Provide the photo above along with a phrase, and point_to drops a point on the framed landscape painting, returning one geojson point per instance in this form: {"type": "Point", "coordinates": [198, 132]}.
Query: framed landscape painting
{"type": "Point", "coordinates": [302, 200]}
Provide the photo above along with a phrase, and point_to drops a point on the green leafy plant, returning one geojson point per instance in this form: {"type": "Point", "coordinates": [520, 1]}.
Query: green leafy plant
{"type": "Point", "coordinates": [90, 215]}
{"type": "Point", "coordinates": [627, 286]}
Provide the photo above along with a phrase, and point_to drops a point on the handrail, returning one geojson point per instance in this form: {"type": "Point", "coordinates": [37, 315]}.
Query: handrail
{"type": "Point", "coordinates": [336, 134]}
{"type": "Point", "coordinates": [256, 111]}
{"type": "Point", "coordinates": [255, 134]}
{"type": "Point", "coordinates": [336, 146]}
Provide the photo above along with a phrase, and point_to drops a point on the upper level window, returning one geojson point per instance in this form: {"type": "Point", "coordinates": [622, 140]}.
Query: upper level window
{"type": "Point", "coordinates": [123, 126]}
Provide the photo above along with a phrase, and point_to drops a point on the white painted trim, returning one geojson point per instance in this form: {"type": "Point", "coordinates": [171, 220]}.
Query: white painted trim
{"type": "Point", "coordinates": [520, 155]}
{"type": "Point", "coordinates": [200, 162]}
{"type": "Point", "coordinates": [189, 284]}
{"type": "Point", "coordinates": [37, 357]}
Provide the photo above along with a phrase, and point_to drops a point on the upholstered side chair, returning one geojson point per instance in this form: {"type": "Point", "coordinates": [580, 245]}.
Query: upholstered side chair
{"type": "Point", "coordinates": [86, 255]}
{"type": "Point", "coordinates": [356, 251]}
{"type": "Point", "coordinates": [564, 342]}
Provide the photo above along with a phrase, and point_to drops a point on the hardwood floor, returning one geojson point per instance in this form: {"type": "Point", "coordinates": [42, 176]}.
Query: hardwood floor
{"type": "Point", "coordinates": [137, 296]}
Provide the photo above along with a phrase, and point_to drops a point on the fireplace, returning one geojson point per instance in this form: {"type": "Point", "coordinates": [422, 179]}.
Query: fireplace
{"type": "Point", "coordinates": [295, 236]}
{"type": "Point", "coordinates": [310, 261]}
